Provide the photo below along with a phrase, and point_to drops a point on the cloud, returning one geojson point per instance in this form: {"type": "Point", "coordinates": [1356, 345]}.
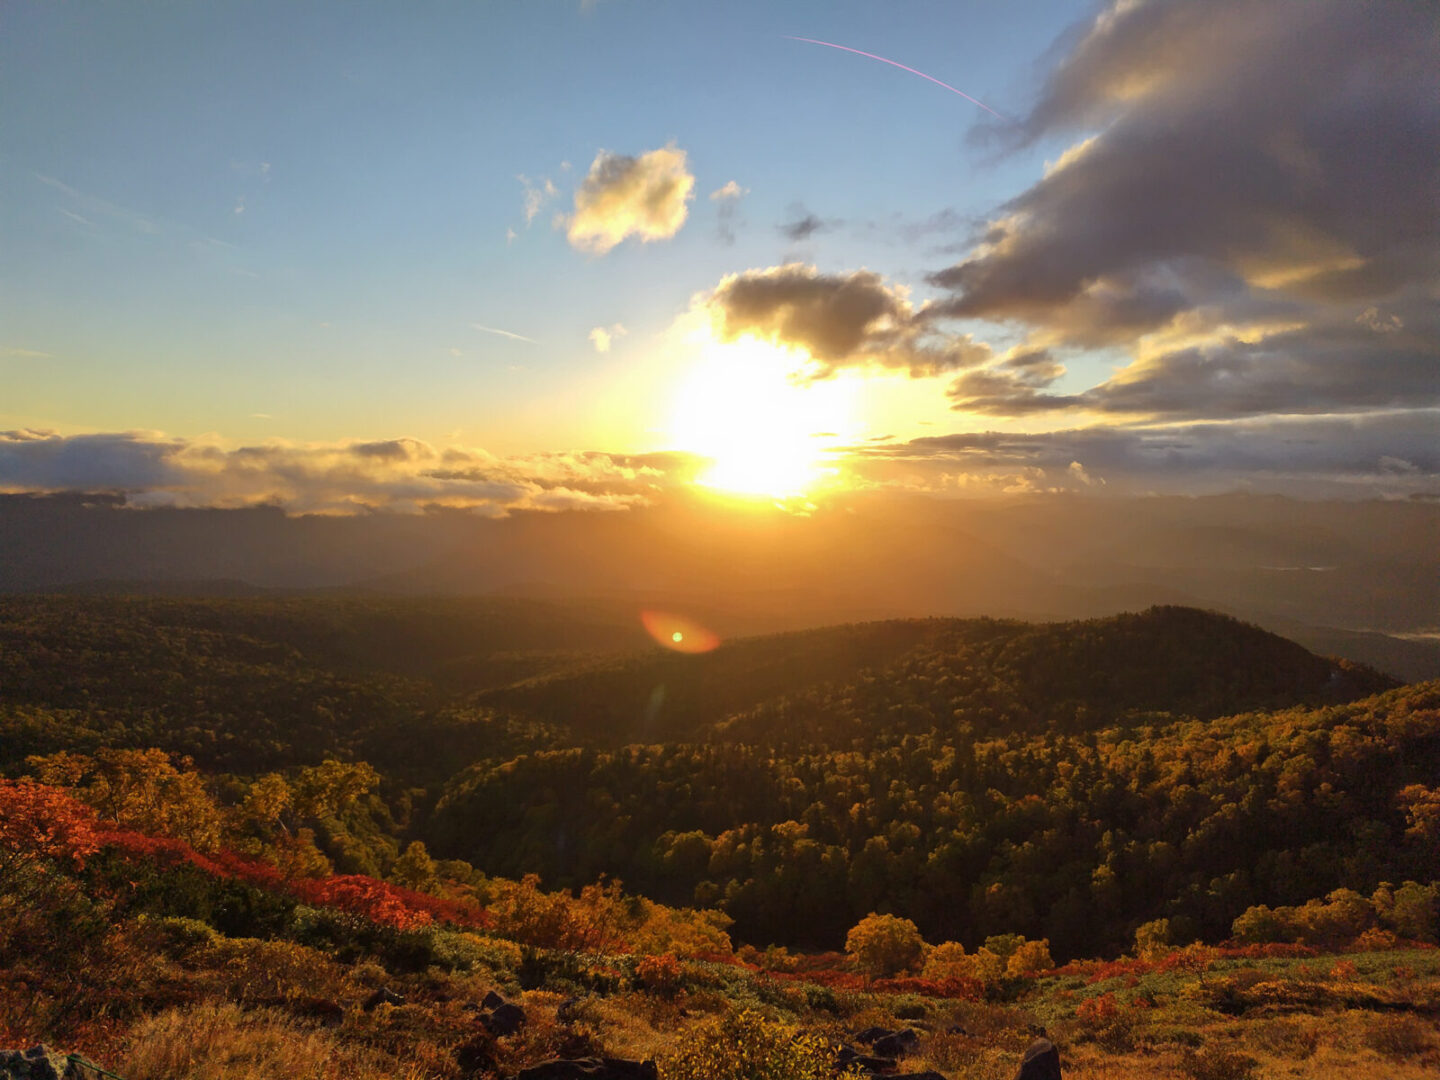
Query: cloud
{"type": "Point", "coordinates": [804, 224]}
{"type": "Point", "coordinates": [849, 320]}
{"type": "Point", "coordinates": [621, 197]}
{"type": "Point", "coordinates": [503, 333]}
{"type": "Point", "coordinates": [1391, 454]}
{"type": "Point", "coordinates": [23, 354]}
{"type": "Point", "coordinates": [402, 475]}
{"type": "Point", "coordinates": [727, 201]}
{"type": "Point", "coordinates": [602, 336]}
{"type": "Point", "coordinates": [535, 195]}
{"type": "Point", "coordinates": [729, 192]}
{"type": "Point", "coordinates": [1249, 211]}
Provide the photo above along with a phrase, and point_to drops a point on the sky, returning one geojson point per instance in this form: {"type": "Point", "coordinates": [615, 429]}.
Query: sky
{"type": "Point", "coordinates": [567, 254]}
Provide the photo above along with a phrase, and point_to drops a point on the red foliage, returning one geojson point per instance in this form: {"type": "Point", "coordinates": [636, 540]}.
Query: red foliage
{"type": "Point", "coordinates": [361, 895]}
{"type": "Point", "coordinates": [40, 822]}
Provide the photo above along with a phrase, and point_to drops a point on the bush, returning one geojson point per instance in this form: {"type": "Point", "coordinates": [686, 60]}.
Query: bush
{"type": "Point", "coordinates": [745, 1046]}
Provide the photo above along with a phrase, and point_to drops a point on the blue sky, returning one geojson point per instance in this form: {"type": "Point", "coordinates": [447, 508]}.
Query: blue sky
{"type": "Point", "coordinates": [218, 210]}
{"type": "Point", "coordinates": [1201, 244]}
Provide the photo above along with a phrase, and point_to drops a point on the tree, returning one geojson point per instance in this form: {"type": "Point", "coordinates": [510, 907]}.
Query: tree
{"type": "Point", "coordinates": [884, 945]}
{"type": "Point", "coordinates": [1152, 939]}
{"type": "Point", "coordinates": [1030, 958]}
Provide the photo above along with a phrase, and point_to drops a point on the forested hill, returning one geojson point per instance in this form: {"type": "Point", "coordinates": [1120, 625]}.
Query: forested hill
{"type": "Point", "coordinates": [917, 674]}
{"type": "Point", "coordinates": [1065, 780]}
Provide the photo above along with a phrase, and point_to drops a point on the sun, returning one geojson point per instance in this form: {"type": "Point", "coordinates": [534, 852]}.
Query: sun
{"type": "Point", "coordinates": [765, 433]}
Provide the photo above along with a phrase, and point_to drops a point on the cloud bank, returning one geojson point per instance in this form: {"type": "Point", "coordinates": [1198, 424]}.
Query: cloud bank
{"type": "Point", "coordinates": [402, 475]}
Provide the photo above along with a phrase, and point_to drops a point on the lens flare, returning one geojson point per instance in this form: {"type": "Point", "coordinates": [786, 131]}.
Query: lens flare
{"type": "Point", "coordinates": [677, 633]}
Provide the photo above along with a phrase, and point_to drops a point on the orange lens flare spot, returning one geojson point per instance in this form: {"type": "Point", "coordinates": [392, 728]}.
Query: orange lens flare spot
{"type": "Point", "coordinates": [677, 633]}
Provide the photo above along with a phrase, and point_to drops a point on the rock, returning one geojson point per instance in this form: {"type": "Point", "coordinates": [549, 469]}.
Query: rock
{"type": "Point", "coordinates": [870, 1034]}
{"type": "Point", "coordinates": [897, 1043]}
{"type": "Point", "coordinates": [591, 1068]}
{"type": "Point", "coordinates": [383, 996]}
{"type": "Point", "coordinates": [873, 1066]}
{"type": "Point", "coordinates": [491, 1000]}
{"type": "Point", "coordinates": [41, 1063]}
{"type": "Point", "coordinates": [505, 1019]}
{"type": "Point", "coordinates": [1041, 1062]}
{"type": "Point", "coordinates": [37, 1063]}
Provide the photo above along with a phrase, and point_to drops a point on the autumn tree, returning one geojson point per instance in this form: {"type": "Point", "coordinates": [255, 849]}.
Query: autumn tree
{"type": "Point", "coordinates": [884, 945]}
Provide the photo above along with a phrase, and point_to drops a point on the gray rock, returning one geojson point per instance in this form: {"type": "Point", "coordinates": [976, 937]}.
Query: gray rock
{"type": "Point", "coordinates": [1041, 1062]}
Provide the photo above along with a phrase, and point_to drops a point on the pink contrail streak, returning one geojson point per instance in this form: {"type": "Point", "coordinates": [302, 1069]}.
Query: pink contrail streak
{"type": "Point", "coordinates": [902, 67]}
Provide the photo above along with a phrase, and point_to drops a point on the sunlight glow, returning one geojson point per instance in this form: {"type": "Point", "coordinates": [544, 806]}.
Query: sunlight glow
{"type": "Point", "coordinates": [766, 433]}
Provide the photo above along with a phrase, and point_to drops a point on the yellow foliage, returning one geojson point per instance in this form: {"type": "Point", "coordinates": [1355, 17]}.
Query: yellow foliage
{"type": "Point", "coordinates": [884, 945]}
{"type": "Point", "coordinates": [745, 1046]}
{"type": "Point", "coordinates": [1030, 958]}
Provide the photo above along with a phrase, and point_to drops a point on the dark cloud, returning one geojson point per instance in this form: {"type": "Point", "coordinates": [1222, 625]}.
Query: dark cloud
{"type": "Point", "coordinates": [1382, 454]}
{"type": "Point", "coordinates": [1260, 175]}
{"type": "Point", "coordinates": [804, 224]}
{"type": "Point", "coordinates": [841, 320]}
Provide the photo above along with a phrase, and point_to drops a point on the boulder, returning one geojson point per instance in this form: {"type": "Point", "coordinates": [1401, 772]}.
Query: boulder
{"type": "Point", "coordinates": [897, 1043]}
{"type": "Point", "coordinates": [383, 996]}
{"type": "Point", "coordinates": [872, 1065]}
{"type": "Point", "coordinates": [42, 1063]}
{"type": "Point", "coordinates": [592, 1068]}
{"type": "Point", "coordinates": [1041, 1062]}
{"type": "Point", "coordinates": [870, 1034]}
{"type": "Point", "coordinates": [37, 1063]}
{"type": "Point", "coordinates": [505, 1019]}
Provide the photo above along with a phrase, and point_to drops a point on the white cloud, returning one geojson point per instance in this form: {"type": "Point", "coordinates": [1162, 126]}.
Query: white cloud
{"type": "Point", "coordinates": [603, 336]}
{"type": "Point", "coordinates": [621, 197]}
{"type": "Point", "coordinates": [536, 195]}
{"type": "Point", "coordinates": [730, 191]}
